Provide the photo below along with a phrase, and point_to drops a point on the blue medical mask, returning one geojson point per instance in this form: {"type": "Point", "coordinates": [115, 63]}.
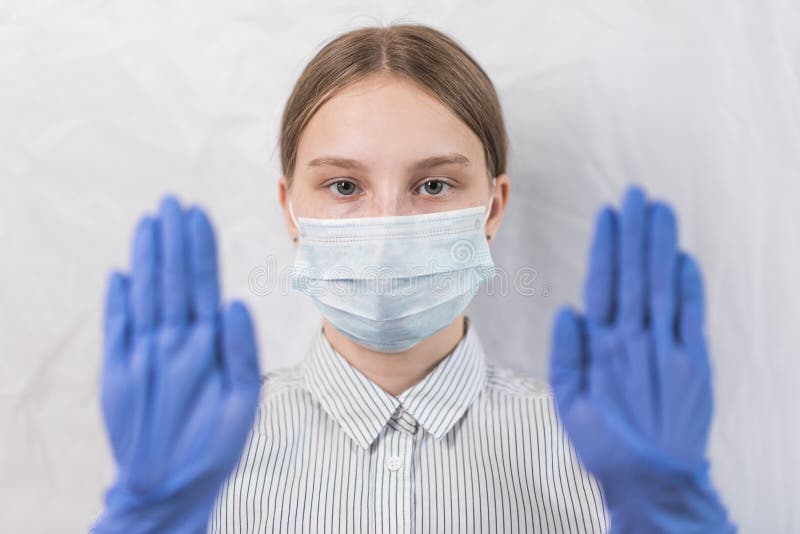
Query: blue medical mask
{"type": "Point", "coordinates": [389, 282]}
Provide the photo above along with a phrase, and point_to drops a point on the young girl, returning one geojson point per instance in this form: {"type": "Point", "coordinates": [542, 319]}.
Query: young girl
{"type": "Point", "coordinates": [393, 151]}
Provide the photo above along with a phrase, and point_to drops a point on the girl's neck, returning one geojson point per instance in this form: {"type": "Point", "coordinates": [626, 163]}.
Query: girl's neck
{"type": "Point", "coordinates": [395, 373]}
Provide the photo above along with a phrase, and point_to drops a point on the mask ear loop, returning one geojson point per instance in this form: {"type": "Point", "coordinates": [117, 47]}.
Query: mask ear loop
{"type": "Point", "coordinates": [291, 213]}
{"type": "Point", "coordinates": [489, 209]}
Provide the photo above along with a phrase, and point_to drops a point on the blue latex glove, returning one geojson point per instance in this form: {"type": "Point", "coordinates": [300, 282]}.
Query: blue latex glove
{"type": "Point", "coordinates": [632, 379]}
{"type": "Point", "coordinates": [180, 379]}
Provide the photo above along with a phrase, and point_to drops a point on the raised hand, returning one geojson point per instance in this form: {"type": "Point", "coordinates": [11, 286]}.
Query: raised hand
{"type": "Point", "coordinates": [180, 378]}
{"type": "Point", "coordinates": [631, 376]}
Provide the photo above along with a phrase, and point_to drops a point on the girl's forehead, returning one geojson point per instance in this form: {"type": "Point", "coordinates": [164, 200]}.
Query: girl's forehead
{"type": "Point", "coordinates": [383, 121]}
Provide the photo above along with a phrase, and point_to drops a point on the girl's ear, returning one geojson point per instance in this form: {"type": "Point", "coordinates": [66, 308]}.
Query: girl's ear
{"type": "Point", "coordinates": [502, 190]}
{"type": "Point", "coordinates": [283, 198]}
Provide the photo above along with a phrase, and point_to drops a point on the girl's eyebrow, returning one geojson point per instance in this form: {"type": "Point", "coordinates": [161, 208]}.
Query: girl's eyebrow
{"type": "Point", "coordinates": [426, 163]}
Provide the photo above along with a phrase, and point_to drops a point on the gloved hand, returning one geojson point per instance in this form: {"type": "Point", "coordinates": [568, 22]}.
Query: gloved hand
{"type": "Point", "coordinates": [180, 378]}
{"type": "Point", "coordinates": [632, 379]}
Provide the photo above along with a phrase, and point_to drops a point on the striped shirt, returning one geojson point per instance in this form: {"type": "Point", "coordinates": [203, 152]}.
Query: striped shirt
{"type": "Point", "coordinates": [473, 447]}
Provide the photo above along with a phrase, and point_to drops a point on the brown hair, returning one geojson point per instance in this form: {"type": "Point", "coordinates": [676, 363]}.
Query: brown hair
{"type": "Point", "coordinates": [422, 54]}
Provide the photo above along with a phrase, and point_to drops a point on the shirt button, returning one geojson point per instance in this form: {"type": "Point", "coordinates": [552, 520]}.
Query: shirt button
{"type": "Point", "coordinates": [393, 463]}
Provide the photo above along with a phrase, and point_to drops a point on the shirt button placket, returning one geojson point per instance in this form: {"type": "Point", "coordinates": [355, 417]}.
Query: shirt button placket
{"type": "Point", "coordinates": [399, 464]}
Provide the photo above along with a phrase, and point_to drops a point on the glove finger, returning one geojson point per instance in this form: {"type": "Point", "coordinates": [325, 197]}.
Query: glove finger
{"type": "Point", "coordinates": [632, 244]}
{"type": "Point", "coordinates": [172, 268]}
{"type": "Point", "coordinates": [117, 391]}
{"type": "Point", "coordinates": [125, 399]}
{"type": "Point", "coordinates": [598, 292]}
{"type": "Point", "coordinates": [240, 353]}
{"type": "Point", "coordinates": [662, 263]}
{"type": "Point", "coordinates": [144, 276]}
{"type": "Point", "coordinates": [661, 258]}
{"type": "Point", "coordinates": [242, 377]}
{"type": "Point", "coordinates": [116, 319]}
{"type": "Point", "coordinates": [567, 359]}
{"type": "Point", "coordinates": [204, 295]}
{"type": "Point", "coordinates": [692, 304]}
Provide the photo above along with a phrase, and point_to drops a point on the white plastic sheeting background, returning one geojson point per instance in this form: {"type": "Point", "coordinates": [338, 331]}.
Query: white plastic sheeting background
{"type": "Point", "coordinates": [105, 106]}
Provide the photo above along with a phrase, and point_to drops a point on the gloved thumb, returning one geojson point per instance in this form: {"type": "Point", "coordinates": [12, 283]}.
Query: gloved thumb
{"type": "Point", "coordinates": [567, 368]}
{"type": "Point", "coordinates": [240, 352]}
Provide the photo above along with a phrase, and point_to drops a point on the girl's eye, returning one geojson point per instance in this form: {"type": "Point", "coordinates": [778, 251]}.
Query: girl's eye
{"type": "Point", "coordinates": [434, 187]}
{"type": "Point", "coordinates": [343, 187]}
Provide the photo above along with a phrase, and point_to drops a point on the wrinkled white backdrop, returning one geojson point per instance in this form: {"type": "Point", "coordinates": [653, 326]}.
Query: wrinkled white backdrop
{"type": "Point", "coordinates": [105, 106]}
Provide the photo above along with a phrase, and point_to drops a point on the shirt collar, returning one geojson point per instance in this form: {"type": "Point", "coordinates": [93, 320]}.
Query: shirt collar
{"type": "Point", "coordinates": [362, 408]}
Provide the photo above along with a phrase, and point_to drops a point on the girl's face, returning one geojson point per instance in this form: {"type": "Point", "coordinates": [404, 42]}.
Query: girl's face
{"type": "Point", "coordinates": [383, 147]}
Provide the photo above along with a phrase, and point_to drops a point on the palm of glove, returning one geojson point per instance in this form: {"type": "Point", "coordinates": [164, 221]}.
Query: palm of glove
{"type": "Point", "coordinates": [631, 377]}
{"type": "Point", "coordinates": [180, 379]}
